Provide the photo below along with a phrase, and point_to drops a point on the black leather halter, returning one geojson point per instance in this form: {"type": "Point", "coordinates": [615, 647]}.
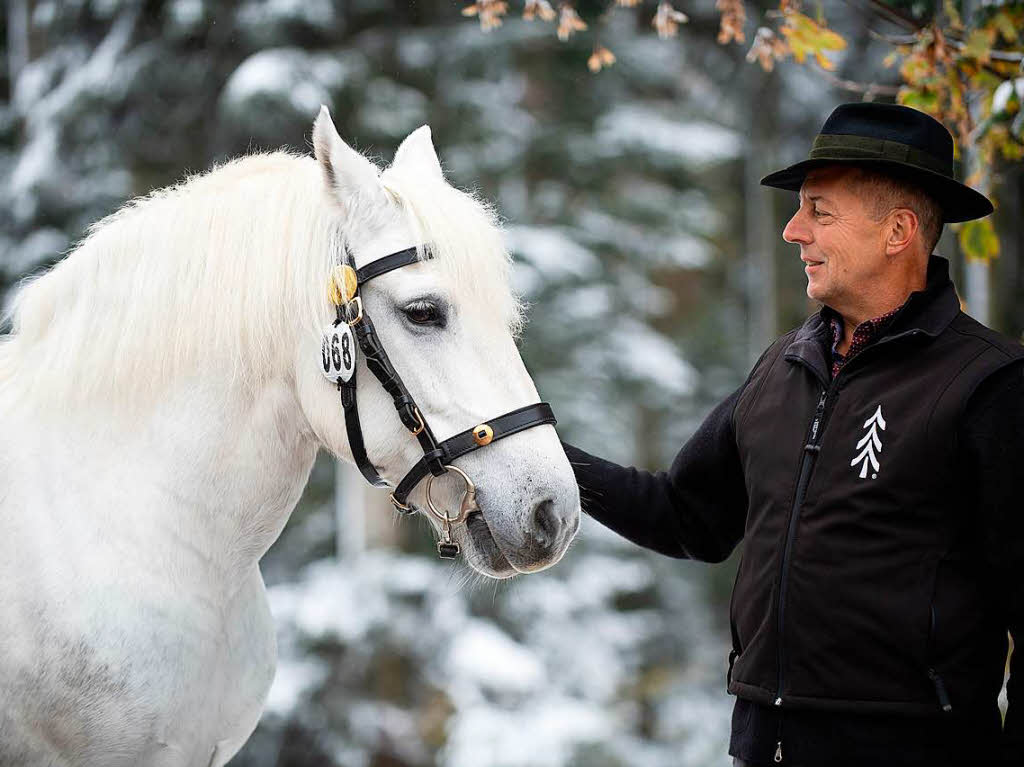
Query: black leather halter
{"type": "Point", "coordinates": [436, 455]}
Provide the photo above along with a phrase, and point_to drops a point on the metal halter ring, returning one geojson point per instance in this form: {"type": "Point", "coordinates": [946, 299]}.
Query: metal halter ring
{"type": "Point", "coordinates": [464, 508]}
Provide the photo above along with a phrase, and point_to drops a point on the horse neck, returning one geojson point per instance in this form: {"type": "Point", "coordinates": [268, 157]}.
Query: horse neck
{"type": "Point", "coordinates": [202, 483]}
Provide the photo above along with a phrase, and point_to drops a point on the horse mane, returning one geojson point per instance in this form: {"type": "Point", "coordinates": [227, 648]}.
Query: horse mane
{"type": "Point", "coordinates": [210, 273]}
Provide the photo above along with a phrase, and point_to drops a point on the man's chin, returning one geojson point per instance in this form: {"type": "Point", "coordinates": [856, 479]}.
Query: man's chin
{"type": "Point", "coordinates": [815, 292]}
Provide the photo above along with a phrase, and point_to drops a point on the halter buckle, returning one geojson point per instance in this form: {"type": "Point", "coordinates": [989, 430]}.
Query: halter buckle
{"type": "Point", "coordinates": [399, 506]}
{"type": "Point", "coordinates": [357, 301]}
{"type": "Point", "coordinates": [419, 419]}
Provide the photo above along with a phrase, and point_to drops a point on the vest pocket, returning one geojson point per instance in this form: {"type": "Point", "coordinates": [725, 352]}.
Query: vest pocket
{"type": "Point", "coordinates": [955, 627]}
{"type": "Point", "coordinates": [938, 684]}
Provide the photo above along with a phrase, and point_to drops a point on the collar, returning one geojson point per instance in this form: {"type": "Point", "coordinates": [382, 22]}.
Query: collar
{"type": "Point", "coordinates": [926, 313]}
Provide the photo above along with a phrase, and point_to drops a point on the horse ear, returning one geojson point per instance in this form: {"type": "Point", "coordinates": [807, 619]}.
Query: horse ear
{"type": "Point", "coordinates": [345, 170]}
{"type": "Point", "coordinates": [418, 150]}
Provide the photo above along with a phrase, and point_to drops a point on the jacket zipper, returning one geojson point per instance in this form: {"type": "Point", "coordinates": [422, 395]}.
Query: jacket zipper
{"type": "Point", "coordinates": [810, 454]}
{"type": "Point", "coordinates": [940, 687]}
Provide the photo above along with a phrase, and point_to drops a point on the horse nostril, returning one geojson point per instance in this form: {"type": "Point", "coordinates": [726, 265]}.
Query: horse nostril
{"type": "Point", "coordinates": [546, 523]}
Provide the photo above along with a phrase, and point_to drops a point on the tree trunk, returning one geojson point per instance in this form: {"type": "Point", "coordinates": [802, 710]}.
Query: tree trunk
{"type": "Point", "coordinates": [18, 49]}
{"type": "Point", "coordinates": [759, 226]}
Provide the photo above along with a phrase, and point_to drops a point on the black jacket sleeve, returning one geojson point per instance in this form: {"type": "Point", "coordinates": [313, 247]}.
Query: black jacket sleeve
{"type": "Point", "coordinates": [991, 445]}
{"type": "Point", "coordinates": [696, 510]}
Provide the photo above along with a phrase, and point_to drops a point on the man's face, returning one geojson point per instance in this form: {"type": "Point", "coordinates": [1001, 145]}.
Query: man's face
{"type": "Point", "coordinates": [842, 248]}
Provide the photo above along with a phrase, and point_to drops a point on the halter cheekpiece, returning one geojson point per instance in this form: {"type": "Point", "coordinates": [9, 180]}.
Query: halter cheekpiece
{"type": "Point", "coordinates": [339, 366]}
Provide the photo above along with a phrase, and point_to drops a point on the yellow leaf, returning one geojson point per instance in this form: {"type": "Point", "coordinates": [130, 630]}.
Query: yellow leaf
{"type": "Point", "coordinates": [1011, 150]}
{"type": "Point", "coordinates": [832, 41]}
{"type": "Point", "coordinates": [915, 69]}
{"type": "Point", "coordinates": [978, 240]}
{"type": "Point", "coordinates": [823, 62]}
{"type": "Point", "coordinates": [1002, 22]}
{"type": "Point", "coordinates": [979, 45]}
{"type": "Point", "coordinates": [921, 100]}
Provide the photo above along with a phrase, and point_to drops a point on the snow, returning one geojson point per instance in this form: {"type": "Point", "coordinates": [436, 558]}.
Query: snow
{"type": "Point", "coordinates": [391, 109]}
{"type": "Point", "coordinates": [186, 14]}
{"type": "Point", "coordinates": [316, 13]}
{"type": "Point", "coordinates": [544, 681]}
{"type": "Point", "coordinates": [637, 352]}
{"type": "Point", "coordinates": [552, 252]}
{"type": "Point", "coordinates": [37, 164]}
{"type": "Point", "coordinates": [287, 75]}
{"type": "Point", "coordinates": [546, 733]}
{"type": "Point", "coordinates": [643, 241]}
{"type": "Point", "coordinates": [41, 246]}
{"type": "Point", "coordinates": [485, 657]}
{"type": "Point", "coordinates": [293, 680]}
{"type": "Point", "coordinates": [328, 605]}
{"type": "Point", "coordinates": [591, 303]}
{"type": "Point", "coordinates": [696, 143]}
{"type": "Point", "coordinates": [1004, 92]}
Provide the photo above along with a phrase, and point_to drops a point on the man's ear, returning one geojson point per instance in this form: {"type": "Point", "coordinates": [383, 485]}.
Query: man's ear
{"type": "Point", "coordinates": [345, 171]}
{"type": "Point", "coordinates": [902, 227]}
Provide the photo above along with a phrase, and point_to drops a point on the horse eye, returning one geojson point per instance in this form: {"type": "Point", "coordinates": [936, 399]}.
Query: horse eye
{"type": "Point", "coordinates": [424, 313]}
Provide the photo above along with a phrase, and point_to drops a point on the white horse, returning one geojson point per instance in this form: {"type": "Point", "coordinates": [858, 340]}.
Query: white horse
{"type": "Point", "coordinates": [161, 404]}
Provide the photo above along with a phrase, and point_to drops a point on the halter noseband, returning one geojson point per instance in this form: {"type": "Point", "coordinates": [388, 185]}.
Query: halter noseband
{"type": "Point", "coordinates": [437, 456]}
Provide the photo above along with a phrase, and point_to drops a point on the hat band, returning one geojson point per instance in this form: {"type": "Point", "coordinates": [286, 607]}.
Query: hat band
{"type": "Point", "coordinates": [836, 146]}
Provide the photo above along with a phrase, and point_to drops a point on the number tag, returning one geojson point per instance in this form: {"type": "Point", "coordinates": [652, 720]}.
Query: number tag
{"type": "Point", "coordinates": [338, 353]}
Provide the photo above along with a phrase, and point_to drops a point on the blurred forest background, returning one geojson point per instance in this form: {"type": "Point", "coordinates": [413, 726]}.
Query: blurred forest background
{"type": "Point", "coordinates": [655, 269]}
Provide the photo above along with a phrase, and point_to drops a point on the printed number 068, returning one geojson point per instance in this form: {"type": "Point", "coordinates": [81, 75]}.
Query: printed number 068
{"type": "Point", "coordinates": [342, 355]}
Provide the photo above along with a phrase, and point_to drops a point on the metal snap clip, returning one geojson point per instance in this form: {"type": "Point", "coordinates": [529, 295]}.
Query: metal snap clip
{"type": "Point", "coordinates": [446, 547]}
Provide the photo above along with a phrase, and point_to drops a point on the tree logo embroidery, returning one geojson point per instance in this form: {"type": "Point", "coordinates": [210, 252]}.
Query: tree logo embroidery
{"type": "Point", "coordinates": [870, 445]}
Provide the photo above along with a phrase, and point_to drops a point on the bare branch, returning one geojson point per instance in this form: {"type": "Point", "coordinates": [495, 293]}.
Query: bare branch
{"type": "Point", "coordinates": [896, 17]}
{"type": "Point", "coordinates": [998, 55]}
{"type": "Point", "coordinates": [868, 90]}
{"type": "Point", "coordinates": [893, 39]}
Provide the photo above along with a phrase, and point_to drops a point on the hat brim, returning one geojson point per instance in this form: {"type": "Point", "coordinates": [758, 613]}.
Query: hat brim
{"type": "Point", "coordinates": [959, 202]}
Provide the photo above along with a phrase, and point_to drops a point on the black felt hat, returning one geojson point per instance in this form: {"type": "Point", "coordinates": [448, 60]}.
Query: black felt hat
{"type": "Point", "coordinates": [896, 140]}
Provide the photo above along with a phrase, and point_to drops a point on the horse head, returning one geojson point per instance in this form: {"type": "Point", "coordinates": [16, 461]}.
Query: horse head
{"type": "Point", "coordinates": [448, 323]}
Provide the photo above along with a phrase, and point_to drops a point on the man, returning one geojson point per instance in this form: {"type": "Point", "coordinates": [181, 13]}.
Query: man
{"type": "Point", "coordinates": [868, 464]}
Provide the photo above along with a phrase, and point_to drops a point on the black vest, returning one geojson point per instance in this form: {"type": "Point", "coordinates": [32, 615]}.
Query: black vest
{"type": "Point", "coordinates": [861, 585]}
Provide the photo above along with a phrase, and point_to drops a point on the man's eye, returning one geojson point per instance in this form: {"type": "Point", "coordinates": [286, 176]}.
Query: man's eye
{"type": "Point", "coordinates": [818, 213]}
{"type": "Point", "coordinates": [424, 313]}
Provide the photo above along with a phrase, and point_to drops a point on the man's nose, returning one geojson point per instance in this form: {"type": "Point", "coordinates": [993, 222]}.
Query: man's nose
{"type": "Point", "coordinates": [796, 231]}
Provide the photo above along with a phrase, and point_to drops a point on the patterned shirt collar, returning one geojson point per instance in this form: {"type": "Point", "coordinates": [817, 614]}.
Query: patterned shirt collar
{"type": "Point", "coordinates": [863, 334]}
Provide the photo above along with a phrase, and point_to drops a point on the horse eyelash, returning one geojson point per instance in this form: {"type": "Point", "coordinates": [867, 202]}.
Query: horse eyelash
{"type": "Point", "coordinates": [427, 304]}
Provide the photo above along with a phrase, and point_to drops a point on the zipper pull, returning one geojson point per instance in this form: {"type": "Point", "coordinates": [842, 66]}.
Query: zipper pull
{"type": "Point", "coordinates": [940, 690]}
{"type": "Point", "coordinates": [778, 752]}
{"type": "Point", "coordinates": [818, 412]}
{"type": "Point", "coordinates": [821, 402]}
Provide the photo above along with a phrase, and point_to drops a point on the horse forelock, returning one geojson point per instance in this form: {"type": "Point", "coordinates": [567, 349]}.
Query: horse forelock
{"type": "Point", "coordinates": [465, 237]}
